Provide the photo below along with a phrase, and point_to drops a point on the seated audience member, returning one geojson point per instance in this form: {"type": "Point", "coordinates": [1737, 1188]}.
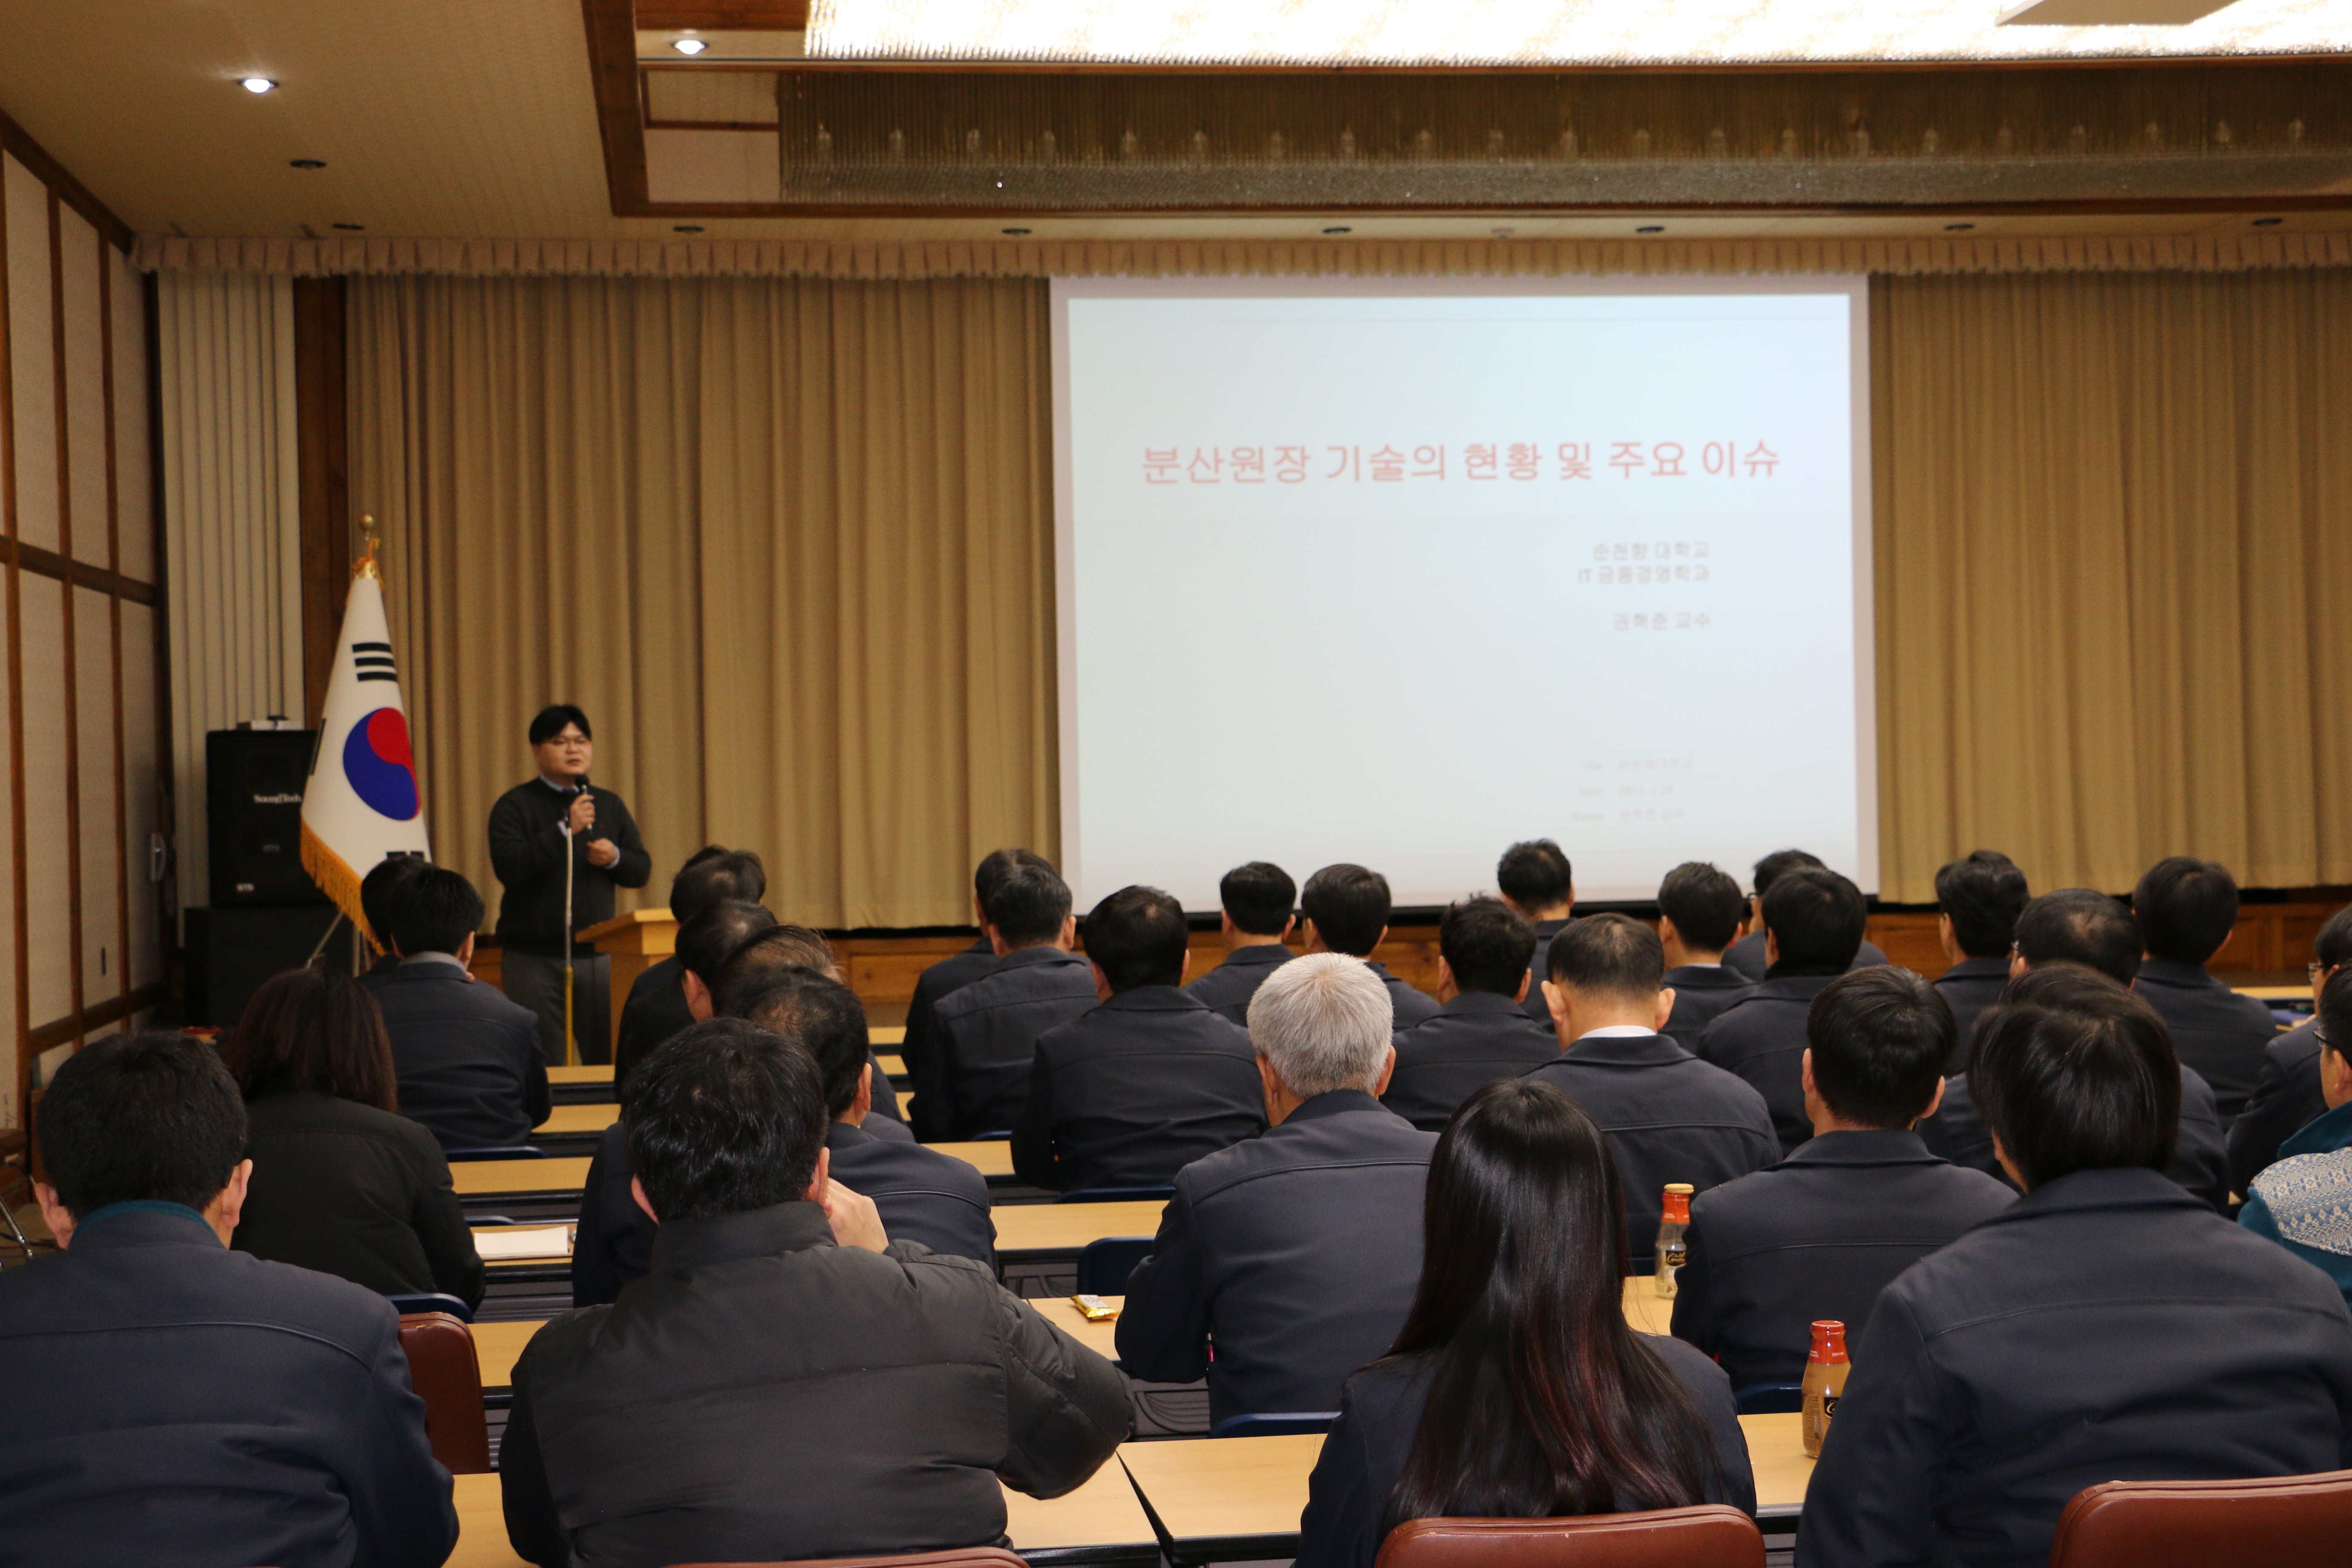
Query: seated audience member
{"type": "Point", "coordinates": [2304, 1200]}
{"type": "Point", "coordinates": [1535, 879]}
{"type": "Point", "coordinates": [1295, 1252]}
{"type": "Point", "coordinates": [1978, 901]}
{"type": "Point", "coordinates": [705, 942]}
{"type": "Point", "coordinates": [1819, 1235]}
{"type": "Point", "coordinates": [2105, 1327]}
{"type": "Point", "coordinates": [975, 1073]}
{"type": "Point", "coordinates": [1747, 955]}
{"type": "Point", "coordinates": [1478, 1034]}
{"type": "Point", "coordinates": [1345, 909]}
{"type": "Point", "coordinates": [1812, 926]}
{"type": "Point", "coordinates": [1699, 912]}
{"type": "Point", "coordinates": [1516, 1389]}
{"type": "Point", "coordinates": [469, 1061]}
{"type": "Point", "coordinates": [341, 1181]}
{"type": "Point", "coordinates": [1257, 901]}
{"type": "Point", "coordinates": [754, 965]}
{"type": "Point", "coordinates": [1669, 1116]}
{"type": "Point", "coordinates": [1133, 1091]}
{"type": "Point", "coordinates": [657, 1007]}
{"type": "Point", "coordinates": [960, 969]}
{"type": "Point", "coordinates": [375, 908]}
{"type": "Point", "coordinates": [170, 1401]}
{"type": "Point", "coordinates": [2187, 909]}
{"type": "Point", "coordinates": [2287, 1094]}
{"type": "Point", "coordinates": [787, 1382]}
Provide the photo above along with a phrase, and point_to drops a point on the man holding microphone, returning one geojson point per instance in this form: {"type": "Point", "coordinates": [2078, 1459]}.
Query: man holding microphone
{"type": "Point", "coordinates": [534, 829]}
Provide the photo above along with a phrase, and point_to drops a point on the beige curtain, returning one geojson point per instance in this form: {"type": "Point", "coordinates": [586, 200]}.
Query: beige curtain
{"type": "Point", "coordinates": [787, 541]}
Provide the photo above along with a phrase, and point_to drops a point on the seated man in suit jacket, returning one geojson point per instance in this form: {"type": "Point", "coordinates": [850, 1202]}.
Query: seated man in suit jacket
{"type": "Point", "coordinates": [657, 1007]}
{"type": "Point", "coordinates": [168, 1400]}
{"type": "Point", "coordinates": [2301, 1200]}
{"type": "Point", "coordinates": [1132, 1092]}
{"type": "Point", "coordinates": [1478, 1034]}
{"type": "Point", "coordinates": [1699, 912]}
{"type": "Point", "coordinates": [1747, 955]}
{"type": "Point", "coordinates": [975, 1075]}
{"type": "Point", "coordinates": [2187, 909]}
{"type": "Point", "coordinates": [1819, 1235]}
{"type": "Point", "coordinates": [1813, 928]}
{"type": "Point", "coordinates": [1256, 900]}
{"type": "Point", "coordinates": [1669, 1116]}
{"type": "Point", "coordinates": [468, 1060]}
{"type": "Point", "coordinates": [375, 908]}
{"type": "Point", "coordinates": [1296, 1253]}
{"type": "Point", "coordinates": [961, 969]}
{"type": "Point", "coordinates": [1345, 910]}
{"type": "Point", "coordinates": [2287, 1095]}
{"type": "Point", "coordinates": [789, 1381]}
{"type": "Point", "coordinates": [1979, 899]}
{"type": "Point", "coordinates": [755, 963]}
{"type": "Point", "coordinates": [1535, 879]}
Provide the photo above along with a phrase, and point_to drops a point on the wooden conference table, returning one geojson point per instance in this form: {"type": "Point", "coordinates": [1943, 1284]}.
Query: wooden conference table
{"type": "Point", "coordinates": [506, 1178]}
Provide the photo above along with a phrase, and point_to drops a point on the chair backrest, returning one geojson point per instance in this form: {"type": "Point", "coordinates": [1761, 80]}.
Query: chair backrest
{"type": "Point", "coordinates": [1106, 1261]}
{"type": "Point", "coordinates": [431, 1301]}
{"type": "Point", "coordinates": [511, 1151]}
{"type": "Point", "coordinates": [1118, 1196]}
{"type": "Point", "coordinates": [442, 1370]}
{"type": "Point", "coordinates": [1710, 1535]}
{"type": "Point", "coordinates": [2287, 1521]}
{"type": "Point", "coordinates": [1277, 1423]}
{"type": "Point", "coordinates": [1769, 1398]}
{"type": "Point", "coordinates": [963, 1557]}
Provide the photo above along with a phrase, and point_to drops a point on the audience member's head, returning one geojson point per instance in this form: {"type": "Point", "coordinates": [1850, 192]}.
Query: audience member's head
{"type": "Point", "coordinates": [1770, 868]}
{"type": "Point", "coordinates": [314, 1031]}
{"type": "Point", "coordinates": [1704, 905]}
{"type": "Point", "coordinates": [712, 873]}
{"type": "Point", "coordinates": [1135, 937]}
{"type": "Point", "coordinates": [2331, 949]}
{"type": "Point", "coordinates": [1878, 1040]}
{"type": "Point", "coordinates": [2073, 1073]}
{"type": "Point", "coordinates": [2336, 1037]}
{"type": "Point", "coordinates": [1535, 880]}
{"type": "Point", "coordinates": [1347, 909]}
{"type": "Point", "coordinates": [706, 941]}
{"type": "Point", "coordinates": [1322, 1023]}
{"type": "Point", "coordinates": [825, 1018]}
{"type": "Point", "coordinates": [761, 959]}
{"type": "Point", "coordinates": [724, 1118]}
{"type": "Point", "coordinates": [2077, 925]}
{"type": "Point", "coordinates": [1028, 907]}
{"type": "Point", "coordinates": [1259, 899]}
{"type": "Point", "coordinates": [993, 867]}
{"type": "Point", "coordinates": [433, 910]}
{"type": "Point", "coordinates": [1814, 917]}
{"type": "Point", "coordinates": [1487, 946]}
{"type": "Point", "coordinates": [1982, 896]}
{"type": "Point", "coordinates": [375, 894]}
{"type": "Point", "coordinates": [140, 1118]}
{"type": "Point", "coordinates": [2186, 909]}
{"type": "Point", "coordinates": [1605, 970]}
{"type": "Point", "coordinates": [1541, 1400]}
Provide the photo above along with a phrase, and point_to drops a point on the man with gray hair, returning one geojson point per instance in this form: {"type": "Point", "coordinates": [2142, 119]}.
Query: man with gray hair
{"type": "Point", "coordinates": [1295, 1252]}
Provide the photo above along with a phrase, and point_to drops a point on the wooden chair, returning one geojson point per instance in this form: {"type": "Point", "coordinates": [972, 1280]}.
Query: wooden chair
{"type": "Point", "coordinates": [2287, 1521]}
{"type": "Point", "coordinates": [1710, 1535]}
{"type": "Point", "coordinates": [965, 1557]}
{"type": "Point", "coordinates": [446, 1375]}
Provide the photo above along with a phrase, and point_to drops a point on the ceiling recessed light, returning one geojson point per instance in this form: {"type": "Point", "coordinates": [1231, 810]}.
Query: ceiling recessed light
{"type": "Point", "coordinates": [1016, 231]}
{"type": "Point", "coordinates": [1958, 227]}
{"type": "Point", "coordinates": [2268, 222]}
{"type": "Point", "coordinates": [257, 84]}
{"type": "Point", "coordinates": [308, 163]}
{"type": "Point", "coordinates": [1343, 229]}
{"type": "Point", "coordinates": [1652, 228]}
{"type": "Point", "coordinates": [687, 228]}
{"type": "Point", "coordinates": [353, 227]}
{"type": "Point", "coordinates": [690, 45]}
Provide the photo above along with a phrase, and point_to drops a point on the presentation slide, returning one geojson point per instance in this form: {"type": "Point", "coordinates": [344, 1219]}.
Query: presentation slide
{"type": "Point", "coordinates": [1400, 574]}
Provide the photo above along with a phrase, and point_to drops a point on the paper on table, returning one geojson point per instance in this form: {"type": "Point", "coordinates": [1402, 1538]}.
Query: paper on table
{"type": "Point", "coordinates": [508, 1243]}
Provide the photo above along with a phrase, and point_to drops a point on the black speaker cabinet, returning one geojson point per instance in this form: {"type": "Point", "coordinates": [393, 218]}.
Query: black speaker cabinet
{"type": "Point", "coordinates": [253, 799]}
{"type": "Point", "coordinates": [231, 952]}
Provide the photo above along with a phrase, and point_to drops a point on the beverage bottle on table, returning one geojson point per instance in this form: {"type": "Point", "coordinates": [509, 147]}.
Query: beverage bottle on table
{"type": "Point", "coordinates": [1825, 1369]}
{"type": "Point", "coordinates": [1673, 1219]}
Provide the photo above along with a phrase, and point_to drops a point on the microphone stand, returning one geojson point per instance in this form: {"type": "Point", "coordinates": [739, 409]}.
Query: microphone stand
{"type": "Point", "coordinates": [570, 1042]}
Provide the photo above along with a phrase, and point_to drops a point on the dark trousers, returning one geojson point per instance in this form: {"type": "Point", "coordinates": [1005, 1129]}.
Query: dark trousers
{"type": "Point", "coordinates": [536, 982]}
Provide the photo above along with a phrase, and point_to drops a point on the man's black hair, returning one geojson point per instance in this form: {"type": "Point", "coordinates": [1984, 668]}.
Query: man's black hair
{"type": "Point", "coordinates": [1534, 875]}
{"type": "Point", "coordinates": [1137, 936]}
{"type": "Point", "coordinates": [2187, 908]}
{"type": "Point", "coordinates": [2079, 925]}
{"type": "Point", "coordinates": [1982, 895]}
{"type": "Point", "coordinates": [1881, 1039]}
{"type": "Point", "coordinates": [549, 720]}
{"type": "Point", "coordinates": [1609, 956]}
{"type": "Point", "coordinates": [996, 863]}
{"type": "Point", "coordinates": [712, 873]}
{"type": "Point", "coordinates": [1028, 907]}
{"type": "Point", "coordinates": [825, 1018]}
{"type": "Point", "coordinates": [1705, 903]}
{"type": "Point", "coordinates": [706, 941]}
{"type": "Point", "coordinates": [2332, 945]}
{"type": "Point", "coordinates": [1349, 907]}
{"type": "Point", "coordinates": [376, 888]}
{"type": "Point", "coordinates": [433, 910]}
{"type": "Point", "coordinates": [764, 956]}
{"type": "Point", "coordinates": [1769, 868]}
{"type": "Point", "coordinates": [154, 1115]}
{"type": "Point", "coordinates": [1816, 917]}
{"type": "Point", "coordinates": [1260, 896]}
{"type": "Point", "coordinates": [724, 1118]}
{"type": "Point", "coordinates": [2073, 1073]}
{"type": "Point", "coordinates": [1487, 944]}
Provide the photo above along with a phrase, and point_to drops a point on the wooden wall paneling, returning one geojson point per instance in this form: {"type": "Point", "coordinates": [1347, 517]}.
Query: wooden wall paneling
{"type": "Point", "coordinates": [81, 341]}
{"type": "Point", "coordinates": [143, 808]}
{"type": "Point", "coordinates": [134, 506]}
{"type": "Point", "coordinates": [102, 259]}
{"type": "Point", "coordinates": [68, 642]}
{"type": "Point", "coordinates": [323, 445]}
{"type": "Point", "coordinates": [48, 861]}
{"type": "Point", "coordinates": [166, 889]}
{"type": "Point", "coordinates": [97, 842]}
{"type": "Point", "coordinates": [20, 1076]}
{"type": "Point", "coordinates": [31, 355]}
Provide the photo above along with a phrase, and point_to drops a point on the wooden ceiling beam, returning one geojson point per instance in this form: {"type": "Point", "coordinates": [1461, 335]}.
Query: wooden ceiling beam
{"type": "Point", "coordinates": [725, 16]}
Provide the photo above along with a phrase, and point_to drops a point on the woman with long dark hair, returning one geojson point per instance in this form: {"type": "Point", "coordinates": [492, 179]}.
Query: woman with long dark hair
{"type": "Point", "coordinates": [341, 1181]}
{"type": "Point", "coordinates": [1516, 1389]}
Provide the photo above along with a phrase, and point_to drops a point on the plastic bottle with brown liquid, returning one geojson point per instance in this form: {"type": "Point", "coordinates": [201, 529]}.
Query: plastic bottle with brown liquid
{"type": "Point", "coordinates": [1673, 1219]}
{"type": "Point", "coordinates": [1826, 1370]}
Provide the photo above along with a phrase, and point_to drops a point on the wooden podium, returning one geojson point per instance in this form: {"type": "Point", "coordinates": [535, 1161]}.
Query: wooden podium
{"type": "Point", "coordinates": [635, 943]}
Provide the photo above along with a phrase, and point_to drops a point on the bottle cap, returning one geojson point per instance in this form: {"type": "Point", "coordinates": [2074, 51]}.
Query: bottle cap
{"type": "Point", "coordinates": [1675, 1210]}
{"type": "Point", "coordinates": [1829, 1342]}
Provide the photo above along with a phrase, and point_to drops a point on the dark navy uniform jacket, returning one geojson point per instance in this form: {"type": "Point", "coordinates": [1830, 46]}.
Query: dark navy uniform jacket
{"type": "Point", "coordinates": [1703, 993]}
{"type": "Point", "coordinates": [1669, 1117]}
{"type": "Point", "coordinates": [1298, 1252]}
{"type": "Point", "coordinates": [2199, 1162]}
{"type": "Point", "coordinates": [1540, 970]}
{"type": "Point", "coordinates": [1762, 1039]}
{"type": "Point", "coordinates": [1464, 1045]}
{"type": "Point", "coordinates": [2105, 1327]}
{"type": "Point", "coordinates": [2287, 1098]}
{"type": "Point", "coordinates": [1408, 1003]}
{"type": "Point", "coordinates": [2219, 1032]}
{"type": "Point", "coordinates": [1817, 1236]}
{"type": "Point", "coordinates": [468, 1060]}
{"type": "Point", "coordinates": [1747, 956]}
{"type": "Point", "coordinates": [1969, 987]}
{"type": "Point", "coordinates": [947, 975]}
{"type": "Point", "coordinates": [173, 1404]}
{"type": "Point", "coordinates": [1226, 990]}
{"type": "Point", "coordinates": [975, 1067]}
{"type": "Point", "coordinates": [1132, 1092]}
